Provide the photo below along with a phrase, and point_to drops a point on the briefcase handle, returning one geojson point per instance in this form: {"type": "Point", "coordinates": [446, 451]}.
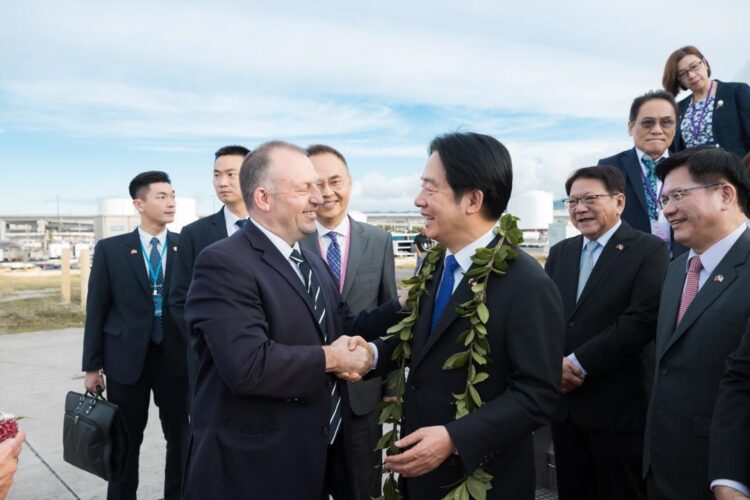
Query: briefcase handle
{"type": "Point", "coordinates": [94, 397]}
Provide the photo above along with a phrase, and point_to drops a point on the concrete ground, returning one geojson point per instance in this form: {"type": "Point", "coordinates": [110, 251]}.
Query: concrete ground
{"type": "Point", "coordinates": [36, 372]}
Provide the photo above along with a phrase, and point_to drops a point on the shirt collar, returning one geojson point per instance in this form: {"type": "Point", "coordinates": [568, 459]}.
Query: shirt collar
{"type": "Point", "coordinates": [463, 256]}
{"type": "Point", "coordinates": [278, 242]}
{"type": "Point", "coordinates": [229, 217]}
{"type": "Point", "coordinates": [604, 239]}
{"type": "Point", "coordinates": [146, 238]}
{"type": "Point", "coordinates": [342, 229]}
{"type": "Point", "coordinates": [640, 154]}
{"type": "Point", "coordinates": [716, 252]}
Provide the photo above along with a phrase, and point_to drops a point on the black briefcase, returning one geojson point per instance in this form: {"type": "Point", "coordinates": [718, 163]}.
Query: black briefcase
{"type": "Point", "coordinates": [94, 435]}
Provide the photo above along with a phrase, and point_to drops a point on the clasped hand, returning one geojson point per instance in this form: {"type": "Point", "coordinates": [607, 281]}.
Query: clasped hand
{"type": "Point", "coordinates": [350, 358]}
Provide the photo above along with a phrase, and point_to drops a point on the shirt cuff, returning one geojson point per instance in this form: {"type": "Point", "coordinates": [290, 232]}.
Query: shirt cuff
{"type": "Point", "coordinates": [374, 355]}
{"type": "Point", "coordinates": [732, 484]}
{"type": "Point", "coordinates": [574, 360]}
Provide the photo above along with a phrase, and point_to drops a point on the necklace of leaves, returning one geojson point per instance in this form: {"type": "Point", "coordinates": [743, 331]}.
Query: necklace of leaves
{"type": "Point", "coordinates": [487, 261]}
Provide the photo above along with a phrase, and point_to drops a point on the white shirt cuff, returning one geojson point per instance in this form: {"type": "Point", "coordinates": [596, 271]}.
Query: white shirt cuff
{"type": "Point", "coordinates": [732, 484]}
{"type": "Point", "coordinates": [574, 360]}
{"type": "Point", "coordinates": [374, 356]}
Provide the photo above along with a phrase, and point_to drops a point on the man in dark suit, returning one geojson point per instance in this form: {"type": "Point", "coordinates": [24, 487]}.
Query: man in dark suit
{"type": "Point", "coordinates": [132, 338]}
{"type": "Point", "coordinates": [729, 452]}
{"type": "Point", "coordinates": [610, 279]}
{"type": "Point", "coordinates": [360, 257]}
{"type": "Point", "coordinates": [466, 185]}
{"type": "Point", "coordinates": [199, 234]}
{"type": "Point", "coordinates": [652, 121]}
{"type": "Point", "coordinates": [269, 418]}
{"type": "Point", "coordinates": [702, 315]}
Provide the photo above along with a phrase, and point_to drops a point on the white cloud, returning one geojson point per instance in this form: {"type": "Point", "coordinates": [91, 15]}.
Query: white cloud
{"type": "Point", "coordinates": [376, 192]}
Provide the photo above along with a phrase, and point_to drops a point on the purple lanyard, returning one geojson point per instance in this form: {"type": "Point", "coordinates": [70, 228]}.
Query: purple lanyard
{"type": "Point", "coordinates": [695, 125]}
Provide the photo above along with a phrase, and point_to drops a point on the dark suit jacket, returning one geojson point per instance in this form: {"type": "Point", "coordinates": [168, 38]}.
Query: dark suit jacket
{"type": "Point", "coordinates": [610, 325]}
{"type": "Point", "coordinates": [120, 311]}
{"type": "Point", "coordinates": [636, 206]}
{"type": "Point", "coordinates": [730, 122]}
{"type": "Point", "coordinates": [729, 453]}
{"type": "Point", "coordinates": [690, 361]}
{"type": "Point", "coordinates": [370, 280]}
{"type": "Point", "coordinates": [521, 394]}
{"type": "Point", "coordinates": [262, 397]}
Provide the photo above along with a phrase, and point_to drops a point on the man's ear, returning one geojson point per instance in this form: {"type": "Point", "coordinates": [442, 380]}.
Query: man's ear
{"type": "Point", "coordinates": [476, 200]}
{"type": "Point", "coordinates": [138, 204]}
{"type": "Point", "coordinates": [262, 199]}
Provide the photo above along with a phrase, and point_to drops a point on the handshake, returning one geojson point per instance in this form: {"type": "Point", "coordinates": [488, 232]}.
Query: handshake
{"type": "Point", "coordinates": [349, 358]}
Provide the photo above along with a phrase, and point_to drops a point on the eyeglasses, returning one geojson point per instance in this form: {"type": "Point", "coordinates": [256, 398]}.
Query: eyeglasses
{"type": "Point", "coordinates": [677, 195]}
{"type": "Point", "coordinates": [589, 200]}
{"type": "Point", "coordinates": [693, 68]}
{"type": "Point", "coordinates": [664, 123]}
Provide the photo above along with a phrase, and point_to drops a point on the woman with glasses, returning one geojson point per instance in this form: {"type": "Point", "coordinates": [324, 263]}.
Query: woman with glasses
{"type": "Point", "coordinates": [717, 113]}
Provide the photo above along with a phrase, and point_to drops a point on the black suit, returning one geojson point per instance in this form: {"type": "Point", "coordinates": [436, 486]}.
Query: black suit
{"type": "Point", "coordinates": [262, 397]}
{"type": "Point", "coordinates": [729, 452]}
{"type": "Point", "coordinates": [730, 121]}
{"type": "Point", "coordinates": [117, 338]}
{"type": "Point", "coordinates": [370, 280]}
{"type": "Point", "coordinates": [193, 239]}
{"type": "Point", "coordinates": [526, 338]}
{"type": "Point", "coordinates": [598, 431]}
{"type": "Point", "coordinates": [636, 205]}
{"type": "Point", "coordinates": [690, 361]}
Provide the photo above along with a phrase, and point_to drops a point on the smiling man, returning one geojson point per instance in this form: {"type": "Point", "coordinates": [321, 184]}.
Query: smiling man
{"type": "Point", "coordinates": [610, 280]}
{"type": "Point", "coordinates": [466, 185]}
{"type": "Point", "coordinates": [702, 315]}
{"type": "Point", "coordinates": [360, 257]}
{"type": "Point", "coordinates": [651, 124]}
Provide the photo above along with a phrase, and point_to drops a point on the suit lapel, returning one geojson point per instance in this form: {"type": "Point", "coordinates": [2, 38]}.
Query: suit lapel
{"type": "Point", "coordinates": [633, 169]}
{"type": "Point", "coordinates": [311, 244]}
{"type": "Point", "coordinates": [134, 255]}
{"type": "Point", "coordinates": [610, 253]}
{"type": "Point", "coordinates": [218, 228]}
{"type": "Point", "coordinates": [354, 258]}
{"type": "Point", "coordinates": [571, 268]}
{"type": "Point", "coordinates": [171, 255]}
{"type": "Point", "coordinates": [713, 288]}
{"type": "Point", "coordinates": [421, 329]}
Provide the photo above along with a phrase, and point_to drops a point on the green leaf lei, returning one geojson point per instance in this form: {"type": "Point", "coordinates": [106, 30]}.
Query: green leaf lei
{"type": "Point", "coordinates": [487, 261]}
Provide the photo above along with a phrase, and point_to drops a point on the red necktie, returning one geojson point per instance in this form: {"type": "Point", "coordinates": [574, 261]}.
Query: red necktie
{"type": "Point", "coordinates": [691, 286]}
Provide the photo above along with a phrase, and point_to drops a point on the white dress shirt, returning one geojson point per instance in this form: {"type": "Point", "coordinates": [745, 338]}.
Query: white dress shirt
{"type": "Point", "coordinates": [230, 220]}
{"type": "Point", "coordinates": [146, 243]}
{"type": "Point", "coordinates": [463, 256]}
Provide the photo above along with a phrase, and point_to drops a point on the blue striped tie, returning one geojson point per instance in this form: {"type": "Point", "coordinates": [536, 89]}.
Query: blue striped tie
{"type": "Point", "coordinates": [333, 256]}
{"type": "Point", "coordinates": [157, 329]}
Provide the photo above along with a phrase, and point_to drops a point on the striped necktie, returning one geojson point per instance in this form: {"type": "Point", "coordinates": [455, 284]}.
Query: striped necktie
{"type": "Point", "coordinates": [333, 256]}
{"type": "Point", "coordinates": [157, 282]}
{"type": "Point", "coordinates": [313, 290]}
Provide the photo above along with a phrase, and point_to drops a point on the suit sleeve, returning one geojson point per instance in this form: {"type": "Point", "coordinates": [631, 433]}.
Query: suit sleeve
{"type": "Point", "coordinates": [534, 347]}
{"type": "Point", "coordinates": [98, 302]}
{"type": "Point", "coordinates": [743, 111]}
{"type": "Point", "coordinates": [729, 440]}
{"type": "Point", "coordinates": [388, 278]}
{"type": "Point", "coordinates": [636, 326]}
{"type": "Point", "coordinates": [182, 273]}
{"type": "Point", "coordinates": [225, 308]}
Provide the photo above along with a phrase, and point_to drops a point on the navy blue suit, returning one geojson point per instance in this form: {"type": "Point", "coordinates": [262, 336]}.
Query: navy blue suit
{"type": "Point", "coordinates": [730, 121]}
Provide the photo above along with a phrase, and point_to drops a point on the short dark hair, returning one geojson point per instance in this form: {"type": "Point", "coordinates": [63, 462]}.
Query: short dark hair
{"type": "Point", "coordinates": [707, 165]}
{"type": "Point", "coordinates": [669, 80]}
{"type": "Point", "coordinates": [611, 177]}
{"type": "Point", "coordinates": [639, 101]}
{"type": "Point", "coordinates": [476, 161]}
{"type": "Point", "coordinates": [319, 149]}
{"type": "Point", "coordinates": [233, 150]}
{"type": "Point", "coordinates": [141, 183]}
{"type": "Point", "coordinates": [255, 167]}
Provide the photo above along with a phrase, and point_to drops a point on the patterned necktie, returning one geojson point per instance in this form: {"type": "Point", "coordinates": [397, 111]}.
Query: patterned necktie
{"type": "Point", "coordinates": [239, 223]}
{"type": "Point", "coordinates": [650, 165]}
{"type": "Point", "coordinates": [691, 286]}
{"type": "Point", "coordinates": [446, 289]}
{"type": "Point", "coordinates": [587, 265]}
{"type": "Point", "coordinates": [333, 256]}
{"type": "Point", "coordinates": [157, 283]}
{"type": "Point", "coordinates": [313, 290]}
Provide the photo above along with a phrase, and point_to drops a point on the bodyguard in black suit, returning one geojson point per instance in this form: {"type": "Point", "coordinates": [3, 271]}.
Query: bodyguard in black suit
{"type": "Point", "coordinates": [702, 315]}
{"type": "Point", "coordinates": [610, 279]}
{"type": "Point", "coordinates": [132, 339]}
{"type": "Point", "coordinates": [199, 234]}
{"type": "Point", "coordinates": [466, 185]}
{"type": "Point", "coordinates": [652, 121]}
{"type": "Point", "coordinates": [266, 320]}
{"type": "Point", "coordinates": [361, 260]}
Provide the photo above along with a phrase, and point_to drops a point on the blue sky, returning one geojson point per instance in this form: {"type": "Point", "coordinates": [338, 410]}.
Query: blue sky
{"type": "Point", "coordinates": [93, 92]}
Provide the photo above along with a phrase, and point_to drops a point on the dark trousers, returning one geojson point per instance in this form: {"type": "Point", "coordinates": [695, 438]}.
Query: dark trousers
{"type": "Point", "coordinates": [133, 400]}
{"type": "Point", "coordinates": [656, 492]}
{"type": "Point", "coordinates": [337, 481]}
{"type": "Point", "coordinates": [597, 465]}
{"type": "Point", "coordinates": [365, 460]}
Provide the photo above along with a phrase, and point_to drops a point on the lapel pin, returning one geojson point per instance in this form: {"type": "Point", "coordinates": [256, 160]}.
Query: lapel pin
{"type": "Point", "coordinates": [133, 251]}
{"type": "Point", "coordinates": [719, 104]}
{"type": "Point", "coordinates": [619, 246]}
{"type": "Point", "coordinates": [174, 248]}
{"type": "Point", "coordinates": [718, 278]}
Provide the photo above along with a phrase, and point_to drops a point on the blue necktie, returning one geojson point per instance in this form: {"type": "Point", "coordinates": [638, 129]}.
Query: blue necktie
{"type": "Point", "coordinates": [651, 181]}
{"type": "Point", "coordinates": [446, 289]}
{"type": "Point", "coordinates": [157, 282]}
{"type": "Point", "coordinates": [587, 265]}
{"type": "Point", "coordinates": [240, 223]}
{"type": "Point", "coordinates": [333, 256]}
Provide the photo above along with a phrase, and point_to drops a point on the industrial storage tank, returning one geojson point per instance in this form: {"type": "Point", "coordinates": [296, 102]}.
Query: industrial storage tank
{"type": "Point", "coordinates": [533, 208]}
